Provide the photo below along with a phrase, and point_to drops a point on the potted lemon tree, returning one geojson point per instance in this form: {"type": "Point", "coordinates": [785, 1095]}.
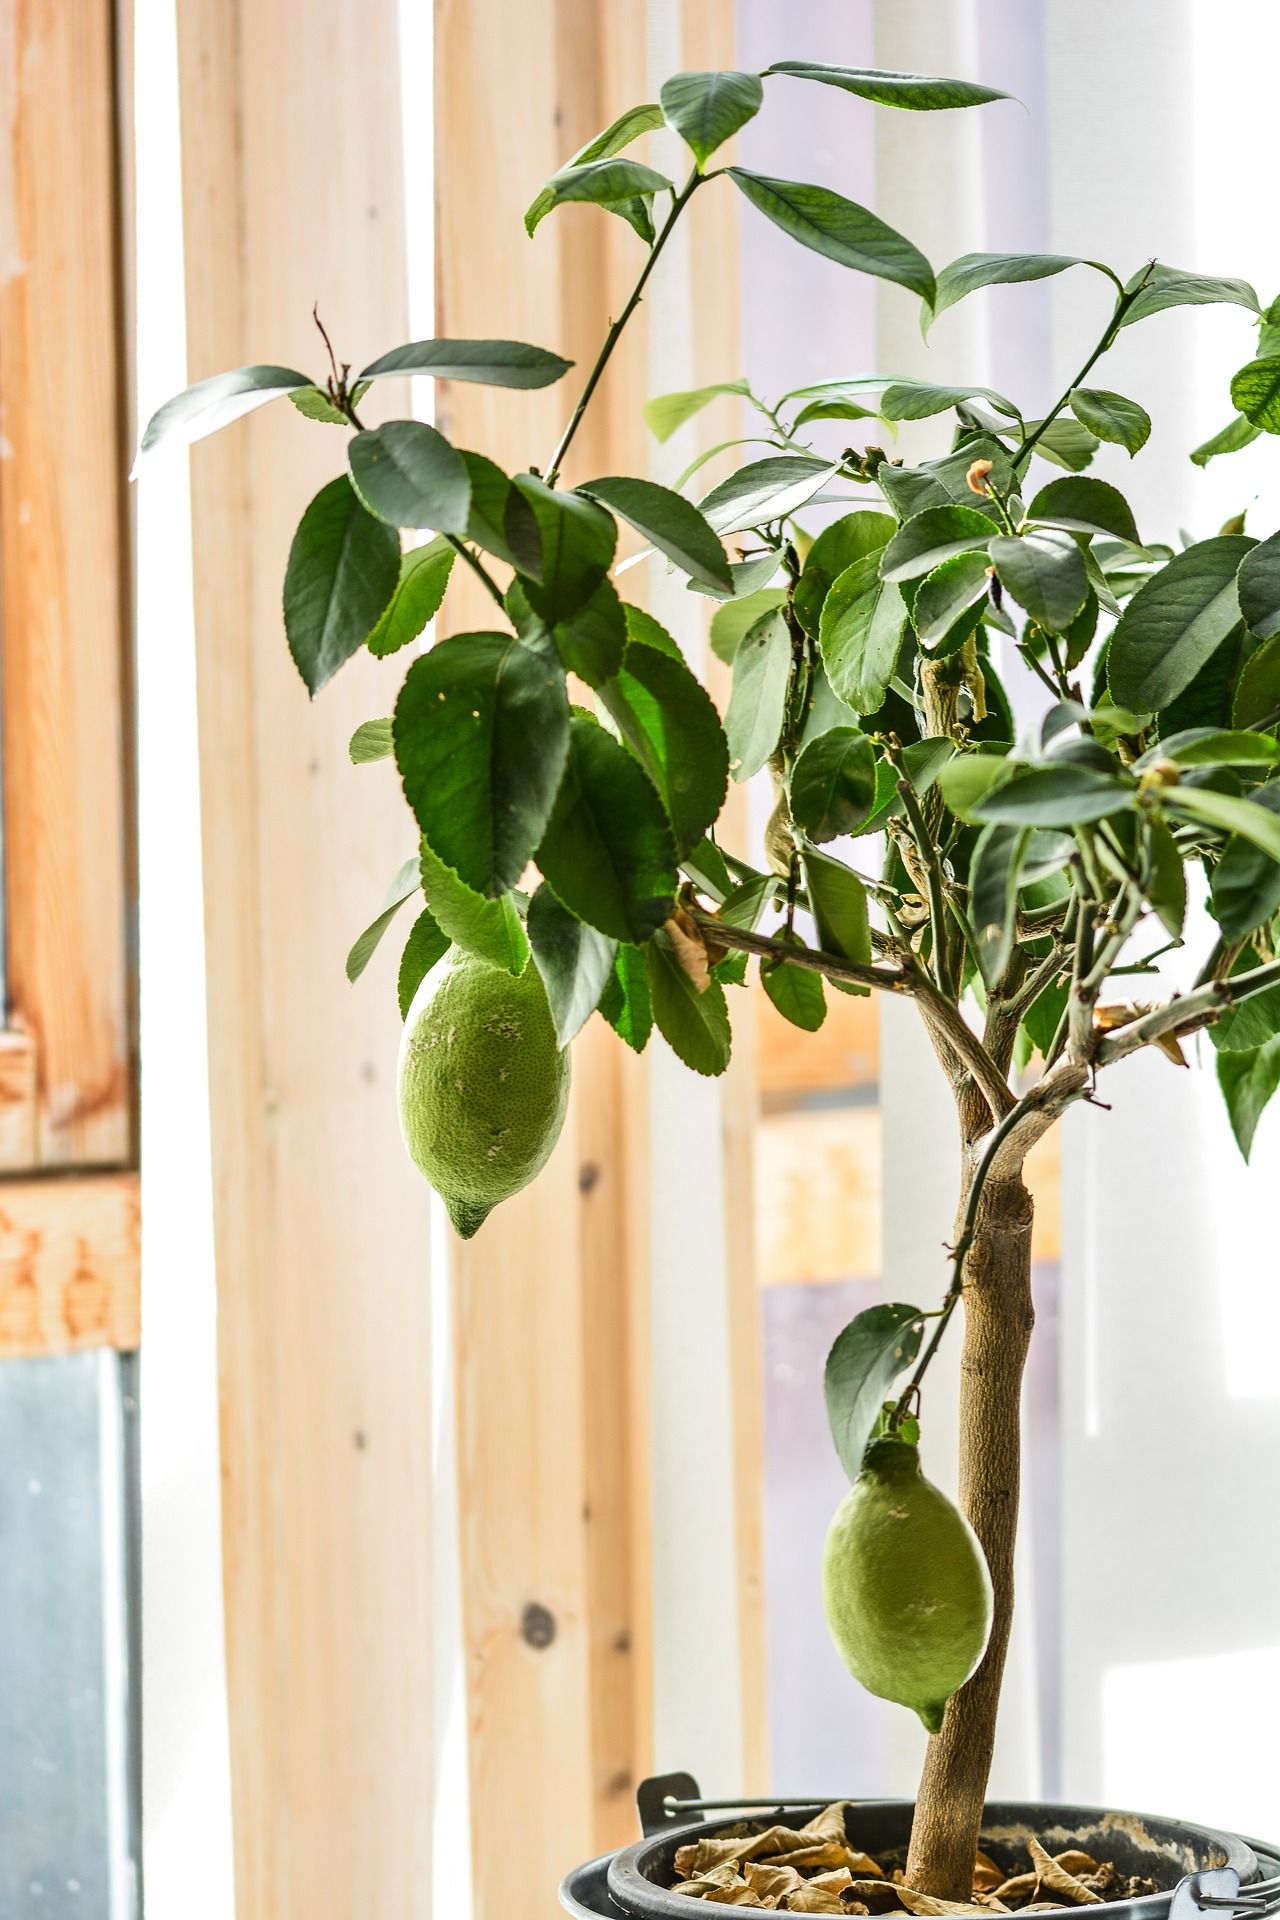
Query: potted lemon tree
{"type": "Point", "coordinates": [567, 773]}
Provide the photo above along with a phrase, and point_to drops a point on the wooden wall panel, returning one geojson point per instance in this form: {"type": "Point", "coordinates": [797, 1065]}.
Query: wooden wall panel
{"type": "Point", "coordinates": [69, 1264]}
{"type": "Point", "coordinates": [62, 468]}
{"type": "Point", "coordinates": [293, 193]}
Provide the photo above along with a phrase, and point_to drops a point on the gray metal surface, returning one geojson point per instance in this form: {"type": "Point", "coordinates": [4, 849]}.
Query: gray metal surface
{"type": "Point", "coordinates": [68, 1799]}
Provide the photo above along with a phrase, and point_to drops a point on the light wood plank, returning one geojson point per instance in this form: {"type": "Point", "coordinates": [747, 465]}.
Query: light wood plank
{"type": "Point", "coordinates": [292, 194]}
{"type": "Point", "coordinates": [19, 1103]}
{"type": "Point", "coordinates": [69, 1264]}
{"type": "Point", "coordinates": [62, 585]}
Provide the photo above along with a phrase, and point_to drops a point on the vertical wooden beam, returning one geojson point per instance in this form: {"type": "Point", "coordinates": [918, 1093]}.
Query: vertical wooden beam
{"type": "Point", "coordinates": [293, 193]}
{"type": "Point", "coordinates": [63, 663]}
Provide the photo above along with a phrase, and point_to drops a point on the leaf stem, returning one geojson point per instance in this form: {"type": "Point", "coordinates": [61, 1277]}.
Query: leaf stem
{"type": "Point", "coordinates": [615, 331]}
{"type": "Point", "coordinates": [477, 567]}
{"type": "Point", "coordinates": [1122, 306]}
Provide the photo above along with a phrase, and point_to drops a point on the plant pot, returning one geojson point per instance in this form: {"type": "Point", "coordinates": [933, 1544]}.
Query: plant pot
{"type": "Point", "coordinates": [635, 1881]}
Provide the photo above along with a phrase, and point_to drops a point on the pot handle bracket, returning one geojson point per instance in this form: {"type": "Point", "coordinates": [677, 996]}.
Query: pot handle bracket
{"type": "Point", "coordinates": [1216, 1890]}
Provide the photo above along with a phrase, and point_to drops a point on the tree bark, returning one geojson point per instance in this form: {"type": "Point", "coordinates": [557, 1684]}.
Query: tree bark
{"type": "Point", "coordinates": [998, 1318]}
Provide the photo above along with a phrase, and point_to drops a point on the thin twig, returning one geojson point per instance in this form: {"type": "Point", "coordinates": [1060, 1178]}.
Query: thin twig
{"type": "Point", "coordinates": [810, 959]}
{"type": "Point", "coordinates": [968, 1048]}
{"type": "Point", "coordinates": [1185, 1012]}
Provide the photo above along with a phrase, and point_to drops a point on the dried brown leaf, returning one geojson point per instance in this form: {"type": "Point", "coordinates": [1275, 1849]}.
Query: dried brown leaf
{"type": "Point", "coordinates": [987, 1876]}
{"type": "Point", "coordinates": [1019, 1886]}
{"type": "Point", "coordinates": [1076, 1862]}
{"type": "Point", "coordinates": [930, 1905]}
{"type": "Point", "coordinates": [689, 948]}
{"type": "Point", "coordinates": [1056, 1879]}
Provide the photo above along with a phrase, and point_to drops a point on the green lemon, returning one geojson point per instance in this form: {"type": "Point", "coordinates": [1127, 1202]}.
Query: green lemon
{"type": "Point", "coordinates": [905, 1585]}
{"type": "Point", "coordinates": [483, 1084]}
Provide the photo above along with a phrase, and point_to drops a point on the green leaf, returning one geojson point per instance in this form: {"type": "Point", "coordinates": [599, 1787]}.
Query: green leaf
{"type": "Point", "coordinates": [860, 633]}
{"type": "Point", "coordinates": [765, 490]}
{"type": "Point", "coordinates": [850, 538]}
{"type": "Point", "coordinates": [1059, 796]}
{"type": "Point", "coordinates": [955, 589]}
{"type": "Point", "coordinates": [313, 403]}
{"type": "Point", "coordinates": [833, 784]}
{"type": "Point", "coordinates": [1212, 747]}
{"type": "Point", "coordinates": [747, 901]}
{"type": "Point", "coordinates": [572, 548]}
{"type": "Point", "coordinates": [410, 476]}
{"type": "Point", "coordinates": [694, 1025]}
{"type": "Point", "coordinates": [671, 523]}
{"type": "Point", "coordinates": [1248, 1080]}
{"type": "Point", "coordinates": [707, 867]}
{"type": "Point", "coordinates": [1258, 585]}
{"type": "Point", "coordinates": [216, 402]}
{"type": "Point", "coordinates": [671, 725]}
{"type": "Point", "coordinates": [668, 411]}
{"type": "Point", "coordinates": [753, 719]}
{"type": "Point", "coordinates": [342, 571]}
{"type": "Point", "coordinates": [967, 778]}
{"type": "Point", "coordinates": [424, 575]}
{"type": "Point", "coordinates": [482, 732]}
{"type": "Point", "coordinates": [574, 960]}
{"type": "Point", "coordinates": [1236, 434]}
{"type": "Point", "coordinates": [706, 109]}
{"type": "Point", "coordinates": [489, 363]}
{"type": "Point", "coordinates": [491, 493]}
{"type": "Point", "coordinates": [730, 622]}
{"type": "Point", "coordinates": [1227, 811]}
{"type": "Point", "coordinates": [1167, 888]}
{"type": "Point", "coordinates": [1246, 881]}
{"type": "Point", "coordinates": [603, 183]}
{"type": "Point", "coordinates": [794, 991]}
{"type": "Point", "coordinates": [829, 224]}
{"type": "Point", "coordinates": [932, 537]}
{"type": "Point", "coordinates": [1044, 571]}
{"type": "Point", "coordinates": [1085, 506]}
{"type": "Point", "coordinates": [1255, 390]}
{"type": "Point", "coordinates": [626, 1002]}
{"type": "Point", "coordinates": [747, 576]}
{"type": "Point", "coordinates": [1111, 417]}
{"type": "Point", "coordinates": [1171, 287]}
{"type": "Point", "coordinates": [608, 851]}
{"type": "Point", "coordinates": [1257, 695]}
{"type": "Point", "coordinates": [920, 92]}
{"type": "Point", "coordinates": [646, 632]}
{"type": "Point", "coordinates": [1064, 443]}
{"type": "Point", "coordinates": [620, 133]}
{"type": "Point", "coordinates": [426, 945]}
{"type": "Point", "coordinates": [833, 404]}
{"type": "Point", "coordinates": [925, 761]}
{"type": "Point", "coordinates": [866, 1359]}
{"type": "Point", "coordinates": [974, 270]}
{"type": "Point", "coordinates": [1175, 623]}
{"type": "Point", "coordinates": [491, 929]}
{"type": "Point", "coordinates": [994, 877]}
{"type": "Point", "coordinates": [402, 888]}
{"type": "Point", "coordinates": [371, 741]}
{"type": "Point", "coordinates": [838, 903]}
{"type": "Point", "coordinates": [918, 400]}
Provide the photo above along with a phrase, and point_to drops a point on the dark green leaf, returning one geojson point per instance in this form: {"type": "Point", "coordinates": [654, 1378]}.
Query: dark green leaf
{"type": "Point", "coordinates": [706, 109]}
{"type": "Point", "coordinates": [1167, 888]}
{"type": "Point", "coordinates": [1085, 506]}
{"type": "Point", "coordinates": [745, 904]}
{"type": "Point", "coordinates": [573, 542]}
{"type": "Point", "coordinates": [491, 492]}
{"type": "Point", "coordinates": [672, 523]}
{"type": "Point", "coordinates": [489, 928]}
{"type": "Point", "coordinates": [838, 903]}
{"type": "Point", "coordinates": [974, 270]}
{"type": "Point", "coordinates": [574, 960]}
{"type": "Point", "coordinates": [861, 1368]}
{"type": "Point", "coordinates": [1255, 390]}
{"type": "Point", "coordinates": [968, 778]}
{"type": "Point", "coordinates": [1064, 443]}
{"type": "Point", "coordinates": [426, 945]}
{"type": "Point", "coordinates": [917, 400]}
{"type": "Point", "coordinates": [371, 741]}
{"type": "Point", "coordinates": [215, 403]}
{"type": "Point", "coordinates": [670, 410]}
{"type": "Point", "coordinates": [1044, 571]}
{"type": "Point", "coordinates": [1060, 796]}
{"type": "Point", "coordinates": [925, 761]}
{"type": "Point", "coordinates": [1175, 623]}
{"type": "Point", "coordinates": [402, 888]}
{"type": "Point", "coordinates": [608, 851]}
{"type": "Point", "coordinates": [833, 784]}
{"type": "Point", "coordinates": [1246, 881]}
{"type": "Point", "coordinates": [646, 632]}
{"type": "Point", "coordinates": [920, 92]}
{"type": "Point", "coordinates": [956, 589]}
{"type": "Point", "coordinates": [1230, 813]}
{"type": "Point", "coordinates": [860, 633]}
{"type": "Point", "coordinates": [1171, 287]}
{"type": "Point", "coordinates": [481, 732]}
{"type": "Point", "coordinates": [671, 725]}
{"type": "Point", "coordinates": [932, 537]}
{"type": "Point", "coordinates": [850, 538]}
{"type": "Point", "coordinates": [1258, 584]}
{"type": "Point", "coordinates": [342, 571]}
{"type": "Point", "coordinates": [626, 1002]}
{"type": "Point", "coordinates": [995, 874]}
{"type": "Point", "coordinates": [794, 991]}
{"type": "Point", "coordinates": [730, 622]}
{"type": "Point", "coordinates": [1257, 695]}
{"type": "Point", "coordinates": [619, 134]}
{"type": "Point", "coordinates": [765, 490]}
{"type": "Point", "coordinates": [410, 476]}
{"type": "Point", "coordinates": [753, 719]}
{"type": "Point", "coordinates": [490, 363]}
{"type": "Point", "coordinates": [838, 228]}
{"type": "Point", "coordinates": [603, 183]}
{"type": "Point", "coordinates": [1041, 1020]}
{"type": "Point", "coordinates": [1212, 747]}
{"type": "Point", "coordinates": [707, 867]}
{"type": "Point", "coordinates": [1236, 434]}
{"type": "Point", "coordinates": [694, 1025]}
{"type": "Point", "coordinates": [1248, 1080]}
{"type": "Point", "coordinates": [1111, 417]}
{"type": "Point", "coordinates": [424, 575]}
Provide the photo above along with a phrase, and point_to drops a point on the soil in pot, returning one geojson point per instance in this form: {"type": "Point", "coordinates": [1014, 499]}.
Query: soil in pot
{"type": "Point", "coordinates": [815, 1868]}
